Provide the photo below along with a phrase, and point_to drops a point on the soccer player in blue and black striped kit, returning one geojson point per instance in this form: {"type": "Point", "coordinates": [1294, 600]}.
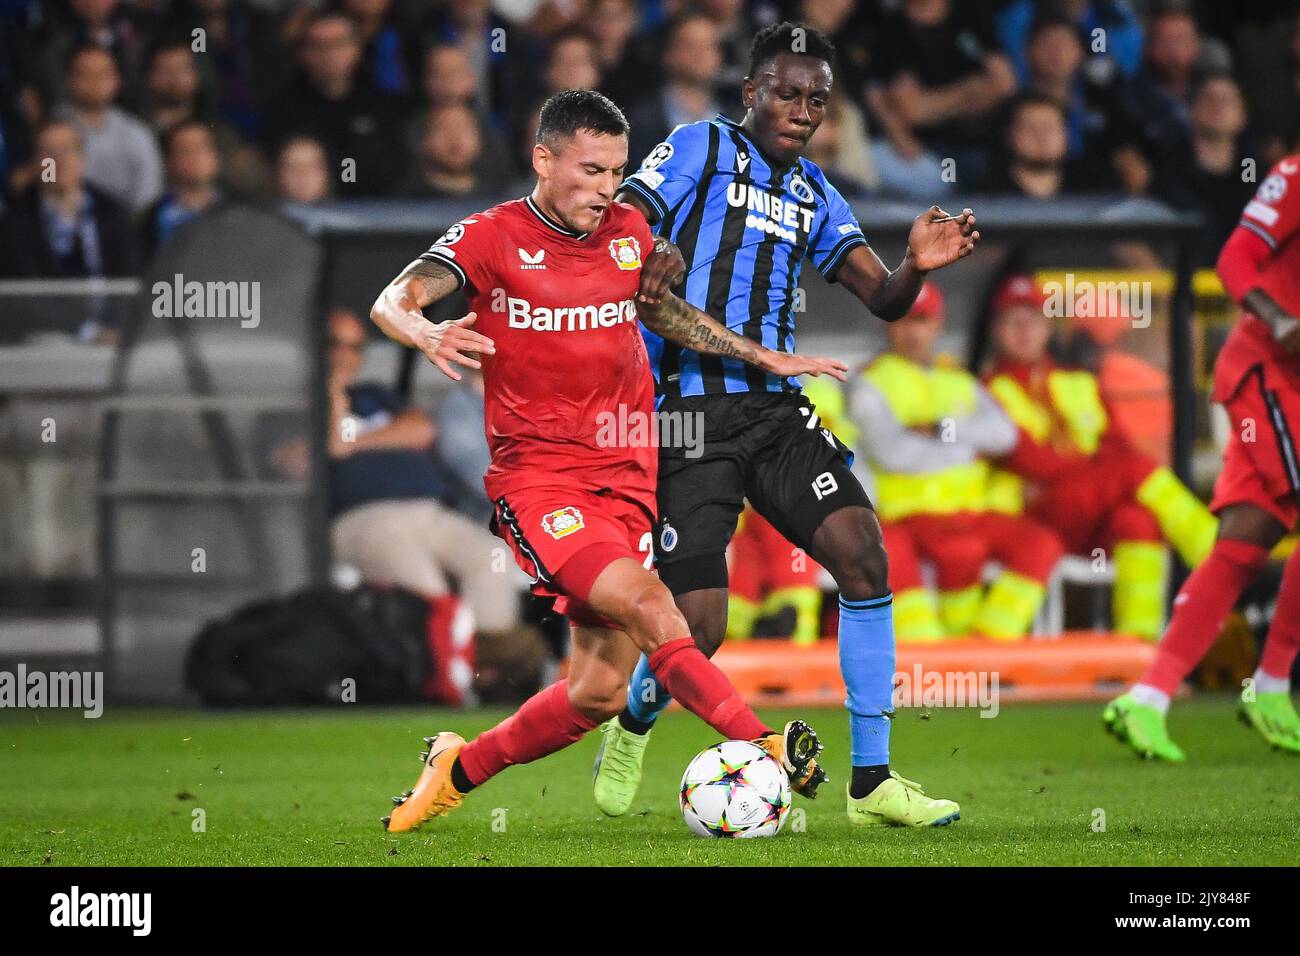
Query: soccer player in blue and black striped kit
{"type": "Point", "coordinates": [745, 210]}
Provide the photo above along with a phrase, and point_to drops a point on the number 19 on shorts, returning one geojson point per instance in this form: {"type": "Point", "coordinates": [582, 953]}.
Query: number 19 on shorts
{"type": "Point", "coordinates": [824, 484]}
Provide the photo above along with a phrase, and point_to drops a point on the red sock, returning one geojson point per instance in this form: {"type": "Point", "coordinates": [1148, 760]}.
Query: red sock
{"type": "Point", "coordinates": [704, 690]}
{"type": "Point", "coordinates": [544, 724]}
{"type": "Point", "coordinates": [1200, 610]}
{"type": "Point", "coordinates": [1284, 633]}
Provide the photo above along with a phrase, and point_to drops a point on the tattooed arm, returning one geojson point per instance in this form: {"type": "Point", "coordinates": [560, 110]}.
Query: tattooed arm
{"type": "Point", "coordinates": [679, 321]}
{"type": "Point", "coordinates": [398, 312]}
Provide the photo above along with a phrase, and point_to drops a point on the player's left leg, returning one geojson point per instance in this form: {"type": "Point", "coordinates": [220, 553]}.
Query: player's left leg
{"type": "Point", "coordinates": [549, 721]}
{"type": "Point", "coordinates": [802, 483]}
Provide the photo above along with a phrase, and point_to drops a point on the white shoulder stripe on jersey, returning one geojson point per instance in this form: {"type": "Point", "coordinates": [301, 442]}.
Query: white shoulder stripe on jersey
{"type": "Point", "coordinates": [1265, 213]}
{"type": "Point", "coordinates": [1259, 231]}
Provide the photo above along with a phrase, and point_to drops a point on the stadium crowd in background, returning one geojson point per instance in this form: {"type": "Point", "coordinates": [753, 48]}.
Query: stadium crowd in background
{"type": "Point", "coordinates": [155, 111]}
{"type": "Point", "coordinates": [307, 101]}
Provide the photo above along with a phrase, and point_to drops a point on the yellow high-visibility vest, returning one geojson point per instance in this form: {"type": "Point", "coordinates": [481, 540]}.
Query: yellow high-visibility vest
{"type": "Point", "coordinates": [920, 396]}
{"type": "Point", "coordinates": [1076, 400]}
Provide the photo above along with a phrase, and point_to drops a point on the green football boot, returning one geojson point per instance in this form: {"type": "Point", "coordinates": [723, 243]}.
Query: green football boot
{"type": "Point", "coordinates": [899, 802]}
{"type": "Point", "coordinates": [617, 773]}
{"type": "Point", "coordinates": [1274, 716]}
{"type": "Point", "coordinates": [1141, 728]}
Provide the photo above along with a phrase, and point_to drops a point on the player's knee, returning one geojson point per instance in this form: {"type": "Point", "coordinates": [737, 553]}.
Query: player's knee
{"type": "Point", "coordinates": [652, 618]}
{"type": "Point", "coordinates": [861, 570]}
{"type": "Point", "coordinates": [598, 698]}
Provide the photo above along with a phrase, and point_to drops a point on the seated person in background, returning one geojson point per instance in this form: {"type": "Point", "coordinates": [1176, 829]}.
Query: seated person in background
{"type": "Point", "coordinates": [1073, 471]}
{"type": "Point", "coordinates": [61, 227]}
{"type": "Point", "coordinates": [462, 446]}
{"type": "Point", "coordinates": [1035, 150]}
{"type": "Point", "coordinates": [926, 428]}
{"type": "Point", "coordinates": [193, 168]}
{"type": "Point", "coordinates": [448, 155]}
{"type": "Point", "coordinates": [384, 491]}
{"type": "Point", "coordinates": [937, 77]}
{"type": "Point", "coordinates": [770, 578]}
{"type": "Point", "coordinates": [302, 171]}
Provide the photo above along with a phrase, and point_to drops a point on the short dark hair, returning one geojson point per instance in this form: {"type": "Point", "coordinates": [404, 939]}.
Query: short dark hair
{"type": "Point", "coordinates": [567, 112]}
{"type": "Point", "coordinates": [788, 37]}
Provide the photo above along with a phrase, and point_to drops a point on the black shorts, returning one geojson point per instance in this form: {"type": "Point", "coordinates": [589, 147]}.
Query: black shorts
{"type": "Point", "coordinates": [769, 447]}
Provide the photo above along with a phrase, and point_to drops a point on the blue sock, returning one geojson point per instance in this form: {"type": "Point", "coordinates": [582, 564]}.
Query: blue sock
{"type": "Point", "coordinates": [867, 663]}
{"type": "Point", "coordinates": [646, 697]}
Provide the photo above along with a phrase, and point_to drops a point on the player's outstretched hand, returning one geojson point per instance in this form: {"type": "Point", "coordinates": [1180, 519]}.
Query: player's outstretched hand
{"type": "Point", "coordinates": [454, 341]}
{"type": "Point", "coordinates": [662, 270]}
{"type": "Point", "coordinates": [784, 364]}
{"type": "Point", "coordinates": [938, 239]}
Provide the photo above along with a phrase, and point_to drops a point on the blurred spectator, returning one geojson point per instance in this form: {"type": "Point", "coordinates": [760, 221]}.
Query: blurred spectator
{"type": "Point", "coordinates": [1117, 48]}
{"type": "Point", "coordinates": [926, 428]}
{"type": "Point", "coordinates": [122, 156]}
{"type": "Point", "coordinates": [571, 64]}
{"type": "Point", "coordinates": [447, 160]}
{"type": "Point", "coordinates": [1270, 76]}
{"type": "Point", "coordinates": [462, 443]}
{"type": "Point", "coordinates": [383, 61]}
{"type": "Point", "coordinates": [190, 155]}
{"type": "Point", "coordinates": [385, 491]}
{"type": "Point", "coordinates": [1162, 92]}
{"type": "Point", "coordinates": [175, 93]}
{"type": "Point", "coordinates": [63, 227]}
{"type": "Point", "coordinates": [1036, 147]}
{"type": "Point", "coordinates": [937, 76]}
{"type": "Point", "coordinates": [1073, 470]}
{"type": "Point", "coordinates": [302, 173]}
{"type": "Point", "coordinates": [1103, 142]}
{"type": "Point", "coordinates": [692, 57]}
{"type": "Point", "coordinates": [504, 58]}
{"type": "Point", "coordinates": [331, 101]}
{"type": "Point", "coordinates": [243, 56]}
{"type": "Point", "coordinates": [736, 27]}
{"type": "Point", "coordinates": [449, 81]}
{"type": "Point", "coordinates": [448, 78]}
{"type": "Point", "coordinates": [841, 148]}
{"type": "Point", "coordinates": [67, 27]}
{"type": "Point", "coordinates": [1210, 179]}
{"type": "Point", "coordinates": [611, 24]}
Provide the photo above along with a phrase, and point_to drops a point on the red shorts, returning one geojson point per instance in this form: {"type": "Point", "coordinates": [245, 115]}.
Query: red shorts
{"type": "Point", "coordinates": [563, 537]}
{"type": "Point", "coordinates": [1261, 464]}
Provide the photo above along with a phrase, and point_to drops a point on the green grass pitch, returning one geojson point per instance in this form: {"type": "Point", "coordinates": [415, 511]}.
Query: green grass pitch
{"type": "Point", "coordinates": [308, 788]}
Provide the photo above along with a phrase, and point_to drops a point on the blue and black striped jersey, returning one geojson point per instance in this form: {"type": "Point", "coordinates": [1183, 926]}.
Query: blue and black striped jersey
{"type": "Point", "coordinates": [744, 228]}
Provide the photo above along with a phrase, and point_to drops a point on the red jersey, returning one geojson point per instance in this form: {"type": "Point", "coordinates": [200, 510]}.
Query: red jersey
{"type": "Point", "coordinates": [570, 381]}
{"type": "Point", "coordinates": [1263, 253]}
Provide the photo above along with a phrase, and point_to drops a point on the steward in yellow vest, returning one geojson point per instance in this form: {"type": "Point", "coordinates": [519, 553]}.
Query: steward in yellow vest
{"type": "Point", "coordinates": [1074, 471]}
{"type": "Point", "coordinates": [927, 429]}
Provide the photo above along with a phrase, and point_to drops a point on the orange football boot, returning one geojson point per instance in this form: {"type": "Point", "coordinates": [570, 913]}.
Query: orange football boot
{"type": "Point", "coordinates": [433, 795]}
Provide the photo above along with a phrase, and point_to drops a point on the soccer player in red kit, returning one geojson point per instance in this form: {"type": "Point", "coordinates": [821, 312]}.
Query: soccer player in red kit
{"type": "Point", "coordinates": [556, 287]}
{"type": "Point", "coordinates": [1257, 496]}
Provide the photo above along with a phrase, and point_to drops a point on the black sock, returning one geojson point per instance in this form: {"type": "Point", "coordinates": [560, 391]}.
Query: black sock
{"type": "Point", "coordinates": [632, 725]}
{"type": "Point", "coordinates": [866, 779]}
{"type": "Point", "coordinates": [459, 779]}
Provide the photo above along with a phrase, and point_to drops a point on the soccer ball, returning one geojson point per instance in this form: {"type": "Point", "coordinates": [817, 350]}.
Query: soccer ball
{"type": "Point", "coordinates": [735, 789]}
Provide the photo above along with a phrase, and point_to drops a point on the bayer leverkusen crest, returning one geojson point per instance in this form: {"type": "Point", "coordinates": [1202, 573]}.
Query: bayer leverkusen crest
{"type": "Point", "coordinates": [563, 522]}
{"type": "Point", "coordinates": [626, 252]}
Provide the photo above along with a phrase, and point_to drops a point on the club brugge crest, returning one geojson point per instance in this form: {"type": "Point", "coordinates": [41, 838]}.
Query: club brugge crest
{"type": "Point", "coordinates": [802, 191]}
{"type": "Point", "coordinates": [667, 537]}
{"type": "Point", "coordinates": [563, 522]}
{"type": "Point", "coordinates": [626, 252]}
